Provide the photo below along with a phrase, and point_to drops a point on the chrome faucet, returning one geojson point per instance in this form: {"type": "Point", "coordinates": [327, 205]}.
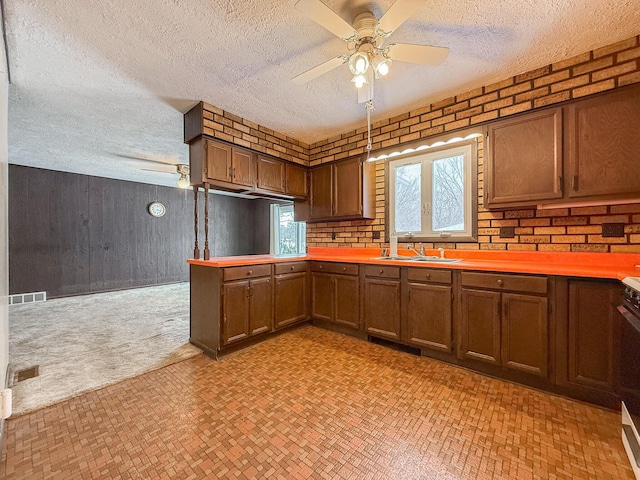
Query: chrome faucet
{"type": "Point", "coordinates": [441, 250]}
{"type": "Point", "coordinates": [418, 253]}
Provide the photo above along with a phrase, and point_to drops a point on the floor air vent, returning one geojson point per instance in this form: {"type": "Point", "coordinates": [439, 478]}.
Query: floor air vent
{"type": "Point", "coordinates": [26, 374]}
{"type": "Point", "coordinates": [19, 298]}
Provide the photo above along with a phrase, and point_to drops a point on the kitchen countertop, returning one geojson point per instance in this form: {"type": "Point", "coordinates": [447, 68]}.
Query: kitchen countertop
{"type": "Point", "coordinates": [593, 265]}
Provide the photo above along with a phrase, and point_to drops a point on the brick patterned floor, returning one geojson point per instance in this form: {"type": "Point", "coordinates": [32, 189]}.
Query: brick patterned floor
{"type": "Point", "coordinates": [316, 404]}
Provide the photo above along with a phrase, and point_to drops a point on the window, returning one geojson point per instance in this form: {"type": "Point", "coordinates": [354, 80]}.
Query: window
{"type": "Point", "coordinates": [287, 236]}
{"type": "Point", "coordinates": [432, 196]}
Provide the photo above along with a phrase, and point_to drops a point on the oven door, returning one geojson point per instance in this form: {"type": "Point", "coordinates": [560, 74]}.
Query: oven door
{"type": "Point", "coordinates": [630, 382]}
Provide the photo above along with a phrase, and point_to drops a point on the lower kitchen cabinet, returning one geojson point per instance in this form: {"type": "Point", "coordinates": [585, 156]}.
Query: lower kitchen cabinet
{"type": "Point", "coordinates": [247, 307]}
{"type": "Point", "coordinates": [335, 293]}
{"type": "Point", "coordinates": [229, 305]}
{"type": "Point", "coordinates": [430, 309]}
{"type": "Point", "coordinates": [588, 340]}
{"type": "Point", "coordinates": [382, 301]}
{"type": "Point", "coordinates": [291, 293]}
{"type": "Point", "coordinates": [504, 321]}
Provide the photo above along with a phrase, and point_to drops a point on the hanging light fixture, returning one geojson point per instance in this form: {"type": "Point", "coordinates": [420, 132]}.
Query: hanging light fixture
{"type": "Point", "coordinates": [359, 63]}
{"type": "Point", "coordinates": [380, 64]}
{"type": "Point", "coordinates": [360, 80]}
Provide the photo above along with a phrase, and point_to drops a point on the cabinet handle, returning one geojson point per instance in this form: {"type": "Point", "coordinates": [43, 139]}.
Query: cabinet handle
{"type": "Point", "coordinates": [344, 269]}
{"type": "Point", "coordinates": [560, 184]}
{"type": "Point", "coordinates": [230, 172]}
{"type": "Point", "coordinates": [234, 172]}
{"type": "Point", "coordinates": [381, 271]}
{"type": "Point", "coordinates": [428, 276]}
{"type": "Point", "coordinates": [574, 183]}
{"type": "Point", "coordinates": [250, 272]}
{"type": "Point", "coordinates": [500, 282]}
{"type": "Point", "coordinates": [292, 267]}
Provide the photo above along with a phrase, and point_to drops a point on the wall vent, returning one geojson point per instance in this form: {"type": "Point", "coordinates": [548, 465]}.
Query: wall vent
{"type": "Point", "coordinates": [19, 298]}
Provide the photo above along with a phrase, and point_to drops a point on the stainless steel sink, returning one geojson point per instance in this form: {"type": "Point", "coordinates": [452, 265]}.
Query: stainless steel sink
{"type": "Point", "coordinates": [420, 259]}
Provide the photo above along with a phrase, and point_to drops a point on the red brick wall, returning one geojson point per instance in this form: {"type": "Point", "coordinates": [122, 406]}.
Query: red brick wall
{"type": "Point", "coordinates": [218, 123]}
{"type": "Point", "coordinates": [561, 229]}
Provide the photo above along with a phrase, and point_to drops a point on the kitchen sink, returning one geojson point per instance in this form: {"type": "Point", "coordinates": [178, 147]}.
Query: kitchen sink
{"type": "Point", "coordinates": [421, 259]}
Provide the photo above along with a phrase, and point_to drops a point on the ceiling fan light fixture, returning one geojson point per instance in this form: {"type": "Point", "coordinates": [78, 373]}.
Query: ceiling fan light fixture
{"type": "Point", "coordinates": [183, 181]}
{"type": "Point", "coordinates": [359, 63]}
{"type": "Point", "coordinates": [360, 80]}
{"type": "Point", "coordinates": [381, 65]}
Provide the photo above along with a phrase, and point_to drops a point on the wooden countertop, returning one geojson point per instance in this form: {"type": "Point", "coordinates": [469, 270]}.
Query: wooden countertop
{"type": "Point", "coordinates": [594, 265]}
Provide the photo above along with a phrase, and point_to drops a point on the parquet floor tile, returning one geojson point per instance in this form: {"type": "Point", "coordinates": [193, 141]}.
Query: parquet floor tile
{"type": "Point", "coordinates": [315, 404]}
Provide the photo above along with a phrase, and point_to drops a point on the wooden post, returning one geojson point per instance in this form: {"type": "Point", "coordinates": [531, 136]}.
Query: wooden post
{"type": "Point", "coordinates": [196, 250]}
{"type": "Point", "coordinates": [206, 222]}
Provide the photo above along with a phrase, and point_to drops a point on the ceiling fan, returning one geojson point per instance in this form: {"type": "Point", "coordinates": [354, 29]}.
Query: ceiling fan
{"type": "Point", "coordinates": [368, 56]}
{"type": "Point", "coordinates": [165, 167]}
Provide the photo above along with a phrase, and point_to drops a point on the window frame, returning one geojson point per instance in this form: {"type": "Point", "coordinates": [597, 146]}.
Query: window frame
{"type": "Point", "coordinates": [274, 231]}
{"type": "Point", "coordinates": [470, 235]}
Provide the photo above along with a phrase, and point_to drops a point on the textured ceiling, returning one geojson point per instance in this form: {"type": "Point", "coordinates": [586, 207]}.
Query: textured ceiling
{"type": "Point", "coordinates": [94, 82]}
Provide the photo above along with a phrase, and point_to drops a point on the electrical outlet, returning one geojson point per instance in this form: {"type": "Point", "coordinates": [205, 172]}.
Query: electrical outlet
{"type": "Point", "coordinates": [613, 229]}
{"type": "Point", "coordinates": [375, 235]}
{"type": "Point", "coordinates": [333, 235]}
{"type": "Point", "coordinates": [507, 232]}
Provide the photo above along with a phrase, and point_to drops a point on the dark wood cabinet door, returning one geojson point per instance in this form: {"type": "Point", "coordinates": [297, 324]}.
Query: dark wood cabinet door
{"type": "Point", "coordinates": [243, 167]}
{"type": "Point", "coordinates": [480, 336]}
{"type": "Point", "coordinates": [291, 299]}
{"type": "Point", "coordinates": [218, 161]}
{"type": "Point", "coordinates": [430, 316]}
{"type": "Point", "coordinates": [235, 311]}
{"type": "Point", "coordinates": [382, 307]}
{"type": "Point", "coordinates": [347, 188]}
{"type": "Point", "coordinates": [525, 337]}
{"type": "Point", "coordinates": [322, 296]}
{"type": "Point", "coordinates": [346, 300]}
{"type": "Point", "coordinates": [296, 180]}
{"type": "Point", "coordinates": [320, 192]}
{"type": "Point", "coordinates": [270, 174]}
{"type": "Point", "coordinates": [524, 159]}
{"type": "Point", "coordinates": [590, 346]}
{"type": "Point", "coordinates": [603, 139]}
{"type": "Point", "coordinates": [260, 306]}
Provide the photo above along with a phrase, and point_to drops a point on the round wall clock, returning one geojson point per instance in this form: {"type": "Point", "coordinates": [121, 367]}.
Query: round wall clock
{"type": "Point", "coordinates": [157, 209]}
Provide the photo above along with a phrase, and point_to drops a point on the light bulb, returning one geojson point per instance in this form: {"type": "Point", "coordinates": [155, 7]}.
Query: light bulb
{"type": "Point", "coordinates": [183, 181]}
{"type": "Point", "coordinates": [359, 80]}
{"type": "Point", "coordinates": [358, 63]}
{"type": "Point", "coordinates": [381, 65]}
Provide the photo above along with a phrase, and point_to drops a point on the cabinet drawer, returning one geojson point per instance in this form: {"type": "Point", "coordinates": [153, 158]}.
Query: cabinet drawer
{"type": "Point", "coordinates": [247, 271]}
{"type": "Point", "coordinates": [293, 267]}
{"type": "Point", "coordinates": [331, 267]}
{"type": "Point", "coordinates": [429, 275]}
{"type": "Point", "coordinates": [501, 281]}
{"type": "Point", "coordinates": [382, 271]}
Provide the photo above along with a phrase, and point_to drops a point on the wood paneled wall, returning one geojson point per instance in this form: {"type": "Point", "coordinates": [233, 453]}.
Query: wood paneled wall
{"type": "Point", "coordinates": [71, 234]}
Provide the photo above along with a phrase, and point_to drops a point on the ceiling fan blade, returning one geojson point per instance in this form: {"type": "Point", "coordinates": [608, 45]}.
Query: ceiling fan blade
{"type": "Point", "coordinates": [422, 54]}
{"type": "Point", "coordinates": [319, 70]}
{"type": "Point", "coordinates": [160, 169]}
{"type": "Point", "coordinates": [397, 14]}
{"type": "Point", "coordinates": [325, 17]}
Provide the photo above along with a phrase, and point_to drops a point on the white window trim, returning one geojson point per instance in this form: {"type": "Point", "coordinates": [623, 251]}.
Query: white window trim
{"type": "Point", "coordinates": [469, 150]}
{"type": "Point", "coordinates": [274, 231]}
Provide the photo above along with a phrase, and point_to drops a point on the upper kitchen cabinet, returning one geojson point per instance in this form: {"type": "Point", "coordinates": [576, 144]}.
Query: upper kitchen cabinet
{"type": "Point", "coordinates": [524, 159]}
{"type": "Point", "coordinates": [602, 146]}
{"type": "Point", "coordinates": [584, 151]}
{"type": "Point", "coordinates": [221, 165]}
{"type": "Point", "coordinates": [340, 190]}
{"type": "Point", "coordinates": [270, 174]}
{"type": "Point", "coordinates": [296, 180]}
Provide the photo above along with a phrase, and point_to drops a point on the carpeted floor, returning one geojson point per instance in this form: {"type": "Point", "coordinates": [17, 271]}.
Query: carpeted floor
{"type": "Point", "coordinates": [86, 342]}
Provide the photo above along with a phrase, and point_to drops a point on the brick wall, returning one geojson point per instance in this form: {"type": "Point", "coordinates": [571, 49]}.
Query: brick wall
{"type": "Point", "coordinates": [231, 128]}
{"type": "Point", "coordinates": [561, 229]}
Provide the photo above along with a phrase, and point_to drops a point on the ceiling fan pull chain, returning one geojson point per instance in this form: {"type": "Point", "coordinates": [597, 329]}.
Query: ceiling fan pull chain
{"type": "Point", "coordinates": [369, 107]}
